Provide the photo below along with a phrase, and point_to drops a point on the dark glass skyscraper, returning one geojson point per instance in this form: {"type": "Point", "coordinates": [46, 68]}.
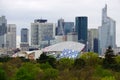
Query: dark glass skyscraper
{"type": "Point", "coordinates": [81, 27]}
{"type": "Point", "coordinates": [95, 45]}
{"type": "Point", "coordinates": [68, 27]}
{"type": "Point", "coordinates": [3, 31]}
{"type": "Point", "coordinates": [24, 39]}
{"type": "Point", "coordinates": [24, 35]}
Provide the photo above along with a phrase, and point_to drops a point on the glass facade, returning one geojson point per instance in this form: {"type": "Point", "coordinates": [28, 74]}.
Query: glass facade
{"type": "Point", "coordinates": [69, 53]}
{"type": "Point", "coordinates": [107, 32]}
{"type": "Point", "coordinates": [95, 45]}
{"type": "Point", "coordinates": [68, 27]}
{"type": "Point", "coordinates": [81, 26]}
{"type": "Point", "coordinates": [3, 31]}
{"type": "Point", "coordinates": [60, 27]}
{"type": "Point", "coordinates": [24, 35]}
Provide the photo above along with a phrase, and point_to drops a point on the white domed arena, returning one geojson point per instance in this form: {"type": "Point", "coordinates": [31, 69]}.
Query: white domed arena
{"type": "Point", "coordinates": [67, 49]}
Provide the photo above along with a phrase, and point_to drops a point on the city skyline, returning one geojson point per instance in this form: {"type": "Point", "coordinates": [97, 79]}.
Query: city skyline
{"type": "Point", "coordinates": [22, 12]}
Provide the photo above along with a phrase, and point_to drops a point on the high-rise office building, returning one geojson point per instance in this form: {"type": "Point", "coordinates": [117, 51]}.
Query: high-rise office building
{"type": "Point", "coordinates": [72, 37]}
{"type": "Point", "coordinates": [11, 36]}
{"type": "Point", "coordinates": [24, 45]}
{"type": "Point", "coordinates": [63, 28]}
{"type": "Point", "coordinates": [60, 27]}
{"type": "Point", "coordinates": [41, 33]}
{"type": "Point", "coordinates": [92, 40]}
{"type": "Point", "coordinates": [24, 35]}
{"type": "Point", "coordinates": [107, 32]}
{"type": "Point", "coordinates": [96, 45]}
{"type": "Point", "coordinates": [3, 31]}
{"type": "Point", "coordinates": [68, 27]}
{"type": "Point", "coordinates": [81, 27]}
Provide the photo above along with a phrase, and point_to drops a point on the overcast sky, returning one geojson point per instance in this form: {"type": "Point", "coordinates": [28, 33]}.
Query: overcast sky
{"type": "Point", "coordinates": [23, 12]}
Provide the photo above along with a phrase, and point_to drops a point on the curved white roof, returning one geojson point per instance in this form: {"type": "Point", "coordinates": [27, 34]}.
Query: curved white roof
{"type": "Point", "coordinates": [65, 45]}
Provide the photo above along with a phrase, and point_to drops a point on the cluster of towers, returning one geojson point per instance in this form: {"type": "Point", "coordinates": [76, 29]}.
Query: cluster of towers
{"type": "Point", "coordinates": [7, 34]}
{"type": "Point", "coordinates": [43, 33]}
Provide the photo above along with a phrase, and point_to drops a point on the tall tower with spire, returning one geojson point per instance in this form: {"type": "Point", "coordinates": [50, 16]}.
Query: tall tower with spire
{"type": "Point", "coordinates": [107, 32]}
{"type": "Point", "coordinates": [104, 14]}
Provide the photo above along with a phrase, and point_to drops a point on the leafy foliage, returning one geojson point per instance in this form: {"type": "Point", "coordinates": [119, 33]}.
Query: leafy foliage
{"type": "Point", "coordinates": [117, 59]}
{"type": "Point", "coordinates": [44, 59]}
{"type": "Point", "coordinates": [27, 72]}
{"type": "Point", "coordinates": [65, 63]}
{"type": "Point", "coordinates": [108, 78]}
{"type": "Point", "coordinates": [109, 53]}
{"type": "Point", "coordinates": [90, 58]}
{"type": "Point", "coordinates": [51, 74]}
{"type": "Point", "coordinates": [87, 67]}
{"type": "Point", "coordinates": [5, 59]}
{"type": "Point", "coordinates": [79, 63]}
{"type": "Point", "coordinates": [45, 66]}
{"type": "Point", "coordinates": [2, 74]}
{"type": "Point", "coordinates": [111, 61]}
{"type": "Point", "coordinates": [101, 72]}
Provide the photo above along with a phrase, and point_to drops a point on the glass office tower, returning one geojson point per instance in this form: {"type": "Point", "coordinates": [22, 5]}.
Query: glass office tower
{"type": "Point", "coordinates": [81, 27]}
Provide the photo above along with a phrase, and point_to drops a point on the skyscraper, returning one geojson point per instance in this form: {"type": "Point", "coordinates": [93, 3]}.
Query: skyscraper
{"type": "Point", "coordinates": [96, 45]}
{"type": "Point", "coordinates": [41, 33]}
{"type": "Point", "coordinates": [3, 31]}
{"type": "Point", "coordinates": [72, 37]}
{"type": "Point", "coordinates": [107, 32]}
{"type": "Point", "coordinates": [11, 36]}
{"type": "Point", "coordinates": [24, 45]}
{"type": "Point", "coordinates": [92, 36]}
{"type": "Point", "coordinates": [24, 35]}
{"type": "Point", "coordinates": [63, 28]}
{"type": "Point", "coordinates": [60, 27]}
{"type": "Point", "coordinates": [68, 27]}
{"type": "Point", "coordinates": [81, 27]}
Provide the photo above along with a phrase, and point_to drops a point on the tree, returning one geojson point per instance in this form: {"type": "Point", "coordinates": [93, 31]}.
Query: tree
{"type": "Point", "coordinates": [2, 74]}
{"type": "Point", "coordinates": [52, 61]}
{"type": "Point", "coordinates": [50, 74]}
{"type": "Point", "coordinates": [109, 54]}
{"type": "Point", "coordinates": [108, 78]}
{"type": "Point", "coordinates": [117, 59]}
{"type": "Point", "coordinates": [109, 61]}
{"type": "Point", "coordinates": [116, 65]}
{"type": "Point", "coordinates": [15, 62]}
{"type": "Point", "coordinates": [5, 59]}
{"type": "Point", "coordinates": [67, 75]}
{"type": "Point", "coordinates": [11, 67]}
{"type": "Point", "coordinates": [44, 59]}
{"type": "Point", "coordinates": [90, 58]}
{"type": "Point", "coordinates": [28, 71]}
{"type": "Point", "coordinates": [45, 66]}
{"type": "Point", "coordinates": [79, 63]}
{"type": "Point", "coordinates": [101, 72]}
{"type": "Point", "coordinates": [65, 63]}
